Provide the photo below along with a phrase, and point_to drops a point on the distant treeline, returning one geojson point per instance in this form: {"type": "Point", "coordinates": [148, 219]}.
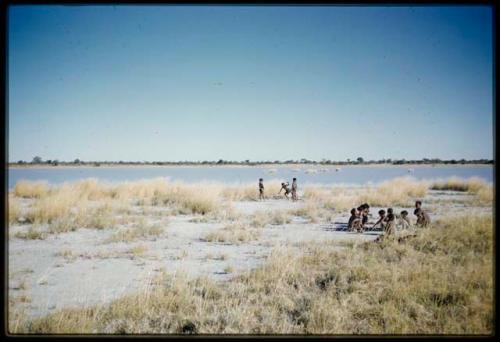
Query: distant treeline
{"type": "Point", "coordinates": [39, 161]}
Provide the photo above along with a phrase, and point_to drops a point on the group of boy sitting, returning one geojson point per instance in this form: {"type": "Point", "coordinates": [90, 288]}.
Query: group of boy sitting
{"type": "Point", "coordinates": [387, 223]}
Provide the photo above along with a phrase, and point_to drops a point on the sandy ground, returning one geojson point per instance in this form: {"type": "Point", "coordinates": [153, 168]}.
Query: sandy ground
{"type": "Point", "coordinates": [102, 271]}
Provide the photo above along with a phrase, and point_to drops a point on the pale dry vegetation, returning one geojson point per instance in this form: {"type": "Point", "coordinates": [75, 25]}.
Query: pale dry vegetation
{"type": "Point", "coordinates": [475, 186]}
{"type": "Point", "coordinates": [437, 282]}
{"type": "Point", "coordinates": [263, 218]}
{"type": "Point", "coordinates": [14, 209]}
{"type": "Point", "coordinates": [399, 191]}
{"type": "Point", "coordinates": [139, 230]}
{"type": "Point", "coordinates": [31, 234]}
{"type": "Point", "coordinates": [29, 189]}
{"type": "Point", "coordinates": [235, 233]}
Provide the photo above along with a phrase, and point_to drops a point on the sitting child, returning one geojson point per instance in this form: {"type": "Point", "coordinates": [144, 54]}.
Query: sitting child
{"type": "Point", "coordinates": [404, 221]}
{"type": "Point", "coordinates": [390, 223]}
{"type": "Point", "coordinates": [363, 218]}
{"type": "Point", "coordinates": [351, 219]}
{"type": "Point", "coordinates": [423, 219]}
{"type": "Point", "coordinates": [380, 222]}
{"type": "Point", "coordinates": [354, 221]}
{"type": "Point", "coordinates": [364, 214]}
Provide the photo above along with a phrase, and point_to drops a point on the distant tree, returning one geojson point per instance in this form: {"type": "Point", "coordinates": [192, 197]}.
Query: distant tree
{"type": "Point", "coordinates": [21, 162]}
{"type": "Point", "coordinates": [37, 160]}
{"type": "Point", "coordinates": [348, 160]}
{"type": "Point", "coordinates": [360, 160]}
{"type": "Point", "coordinates": [55, 162]}
{"type": "Point", "coordinates": [220, 161]}
{"type": "Point", "coordinates": [76, 161]}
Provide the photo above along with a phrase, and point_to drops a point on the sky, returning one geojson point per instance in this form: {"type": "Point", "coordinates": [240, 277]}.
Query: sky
{"type": "Point", "coordinates": [176, 83]}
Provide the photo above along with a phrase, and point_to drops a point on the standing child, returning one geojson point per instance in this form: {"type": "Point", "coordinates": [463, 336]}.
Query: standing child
{"type": "Point", "coordinates": [261, 189]}
{"type": "Point", "coordinates": [294, 189]}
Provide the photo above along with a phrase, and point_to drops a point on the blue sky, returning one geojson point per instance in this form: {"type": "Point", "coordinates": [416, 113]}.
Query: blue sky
{"type": "Point", "coordinates": [148, 83]}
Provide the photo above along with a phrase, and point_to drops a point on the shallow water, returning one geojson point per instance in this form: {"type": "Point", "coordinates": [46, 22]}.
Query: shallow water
{"type": "Point", "coordinates": [346, 175]}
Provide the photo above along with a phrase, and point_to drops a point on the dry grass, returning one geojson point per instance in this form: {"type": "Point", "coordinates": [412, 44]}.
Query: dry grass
{"type": "Point", "coordinates": [219, 256]}
{"type": "Point", "coordinates": [68, 255]}
{"type": "Point", "coordinates": [229, 269]}
{"type": "Point", "coordinates": [486, 195]}
{"type": "Point", "coordinates": [138, 250]}
{"type": "Point", "coordinates": [439, 282]}
{"type": "Point", "coordinates": [262, 218]}
{"type": "Point", "coordinates": [233, 234]}
{"type": "Point", "coordinates": [30, 189]}
{"type": "Point", "coordinates": [400, 191]}
{"type": "Point", "coordinates": [459, 184]}
{"type": "Point", "coordinates": [474, 185]}
{"type": "Point", "coordinates": [140, 230]}
{"type": "Point", "coordinates": [14, 209]}
{"type": "Point", "coordinates": [31, 234]}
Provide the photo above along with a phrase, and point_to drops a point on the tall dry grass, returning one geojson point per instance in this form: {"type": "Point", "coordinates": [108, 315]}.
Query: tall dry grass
{"type": "Point", "coordinates": [31, 189]}
{"type": "Point", "coordinates": [14, 209]}
{"type": "Point", "coordinates": [91, 204]}
{"type": "Point", "coordinates": [400, 191]}
{"type": "Point", "coordinates": [474, 185]}
{"type": "Point", "coordinates": [438, 282]}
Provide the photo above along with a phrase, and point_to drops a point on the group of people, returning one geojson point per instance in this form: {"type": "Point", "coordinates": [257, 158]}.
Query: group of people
{"type": "Point", "coordinates": [359, 216]}
{"type": "Point", "coordinates": [284, 186]}
{"type": "Point", "coordinates": [386, 221]}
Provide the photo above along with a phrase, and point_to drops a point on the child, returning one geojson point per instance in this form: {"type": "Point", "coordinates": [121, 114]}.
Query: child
{"type": "Point", "coordinates": [352, 220]}
{"type": "Point", "coordinates": [390, 223]}
{"type": "Point", "coordinates": [285, 187]}
{"type": "Point", "coordinates": [261, 188]}
{"type": "Point", "coordinates": [294, 189]}
{"type": "Point", "coordinates": [381, 218]}
{"type": "Point", "coordinates": [404, 222]}
{"type": "Point", "coordinates": [366, 211]}
{"type": "Point", "coordinates": [423, 219]}
{"type": "Point", "coordinates": [418, 204]}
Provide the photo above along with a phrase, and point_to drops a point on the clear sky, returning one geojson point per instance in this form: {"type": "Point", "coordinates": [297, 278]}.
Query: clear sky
{"type": "Point", "coordinates": [147, 83]}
